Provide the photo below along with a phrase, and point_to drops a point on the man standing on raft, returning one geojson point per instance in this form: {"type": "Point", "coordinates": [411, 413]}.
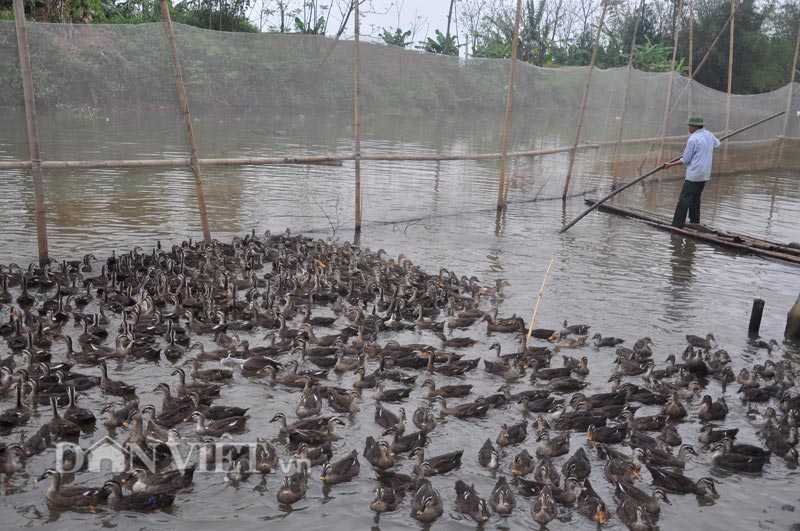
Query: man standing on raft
{"type": "Point", "coordinates": [697, 157]}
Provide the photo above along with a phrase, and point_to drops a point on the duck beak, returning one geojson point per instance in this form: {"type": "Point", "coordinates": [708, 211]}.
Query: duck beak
{"type": "Point", "coordinates": [636, 474]}
{"type": "Point", "coordinates": [588, 436]}
{"type": "Point", "coordinates": [602, 517]}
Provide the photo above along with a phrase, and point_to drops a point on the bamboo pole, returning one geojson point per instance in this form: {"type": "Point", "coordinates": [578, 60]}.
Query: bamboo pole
{"type": "Point", "coordinates": [691, 56]}
{"type": "Point", "coordinates": [187, 120]}
{"type": "Point", "coordinates": [730, 84]}
{"type": "Point", "coordinates": [357, 114]}
{"type": "Point", "coordinates": [33, 131]}
{"type": "Point", "coordinates": [675, 37]}
{"type": "Point", "coordinates": [538, 301]}
{"type": "Point", "coordinates": [583, 101]}
{"type": "Point", "coordinates": [618, 147]}
{"type": "Point", "coordinates": [789, 102]}
{"type": "Point", "coordinates": [502, 196]}
{"type": "Point", "coordinates": [253, 161]}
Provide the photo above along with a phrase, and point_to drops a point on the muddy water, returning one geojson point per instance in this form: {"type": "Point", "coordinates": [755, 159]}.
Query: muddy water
{"type": "Point", "coordinates": [622, 277]}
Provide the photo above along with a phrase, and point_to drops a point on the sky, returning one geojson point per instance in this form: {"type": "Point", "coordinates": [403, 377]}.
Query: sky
{"type": "Point", "coordinates": [423, 16]}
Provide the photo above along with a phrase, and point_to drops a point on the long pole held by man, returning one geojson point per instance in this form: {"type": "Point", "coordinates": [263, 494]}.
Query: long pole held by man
{"type": "Point", "coordinates": [698, 158]}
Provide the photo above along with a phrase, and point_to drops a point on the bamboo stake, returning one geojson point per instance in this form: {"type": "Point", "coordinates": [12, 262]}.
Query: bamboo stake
{"type": "Point", "coordinates": [618, 147]}
{"type": "Point", "coordinates": [538, 302]}
{"type": "Point", "coordinates": [187, 120]}
{"type": "Point", "coordinates": [583, 102]}
{"type": "Point", "coordinates": [357, 114]}
{"type": "Point", "coordinates": [691, 55]}
{"type": "Point", "coordinates": [33, 130]}
{"type": "Point", "coordinates": [730, 84]}
{"type": "Point", "coordinates": [252, 161]}
{"type": "Point", "coordinates": [655, 170]}
{"type": "Point", "coordinates": [788, 103]}
{"type": "Point", "coordinates": [502, 200]}
{"type": "Point", "coordinates": [671, 78]}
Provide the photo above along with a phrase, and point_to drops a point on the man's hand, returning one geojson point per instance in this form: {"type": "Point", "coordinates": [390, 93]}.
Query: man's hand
{"type": "Point", "coordinates": [668, 165]}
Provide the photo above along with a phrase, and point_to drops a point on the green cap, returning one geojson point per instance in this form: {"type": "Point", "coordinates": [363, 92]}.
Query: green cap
{"type": "Point", "coordinates": [696, 121]}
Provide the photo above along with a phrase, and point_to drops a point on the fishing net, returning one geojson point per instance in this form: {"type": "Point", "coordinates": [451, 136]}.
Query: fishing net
{"type": "Point", "coordinates": [258, 95]}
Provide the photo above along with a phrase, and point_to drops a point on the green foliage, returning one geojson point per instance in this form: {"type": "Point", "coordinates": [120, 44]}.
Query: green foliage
{"type": "Point", "coordinates": [445, 45]}
{"type": "Point", "coordinates": [398, 38]}
{"type": "Point", "coordinates": [317, 28]}
{"type": "Point", "coordinates": [655, 57]}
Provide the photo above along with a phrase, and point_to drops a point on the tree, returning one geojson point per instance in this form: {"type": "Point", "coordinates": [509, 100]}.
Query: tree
{"type": "Point", "coordinates": [441, 44]}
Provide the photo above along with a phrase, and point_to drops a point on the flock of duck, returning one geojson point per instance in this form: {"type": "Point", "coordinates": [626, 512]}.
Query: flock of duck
{"type": "Point", "coordinates": [168, 306]}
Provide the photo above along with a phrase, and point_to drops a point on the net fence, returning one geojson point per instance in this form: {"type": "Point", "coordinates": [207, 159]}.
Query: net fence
{"type": "Point", "coordinates": [107, 92]}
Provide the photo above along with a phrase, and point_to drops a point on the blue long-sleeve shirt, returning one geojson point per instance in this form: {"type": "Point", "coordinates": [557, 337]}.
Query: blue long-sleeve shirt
{"type": "Point", "coordinates": [698, 155]}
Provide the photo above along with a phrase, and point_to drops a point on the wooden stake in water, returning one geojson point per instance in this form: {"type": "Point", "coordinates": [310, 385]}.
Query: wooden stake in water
{"type": "Point", "coordinates": [357, 113]}
{"type": "Point", "coordinates": [187, 120]}
{"type": "Point", "coordinates": [502, 200]}
{"type": "Point", "coordinates": [730, 84]}
{"type": "Point", "coordinates": [33, 130]}
{"type": "Point", "coordinates": [583, 102]}
{"type": "Point", "coordinates": [538, 301]}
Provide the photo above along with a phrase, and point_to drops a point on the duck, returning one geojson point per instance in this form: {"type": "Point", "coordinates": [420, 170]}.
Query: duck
{"type": "Point", "coordinates": [120, 416]}
{"type": "Point", "coordinates": [215, 412]}
{"type": "Point", "coordinates": [724, 458]}
{"type": "Point", "coordinates": [208, 375]}
{"type": "Point", "coordinates": [607, 434]}
{"type": "Point", "coordinates": [651, 423]}
{"type": "Point", "coordinates": [578, 465]}
{"type": "Point", "coordinates": [423, 418]}
{"type": "Point", "coordinates": [470, 503]}
{"type": "Point", "coordinates": [390, 395]}
{"type": "Point", "coordinates": [387, 499]}
{"type": "Point", "coordinates": [239, 470]}
{"type": "Point", "coordinates": [379, 455]}
{"type": "Point", "coordinates": [502, 498]}
{"type": "Point", "coordinates": [545, 472]}
{"type": "Point", "coordinates": [560, 341]}
{"type": "Point", "coordinates": [59, 426]}
{"type": "Point", "coordinates": [634, 516]}
{"type": "Point", "coordinates": [522, 464]}
{"type": "Point", "coordinates": [543, 508]}
{"type": "Point", "coordinates": [405, 443]}
{"type": "Point", "coordinates": [437, 465]}
{"type": "Point", "coordinates": [514, 434]}
{"type": "Point", "coordinates": [311, 404]}
{"type": "Point", "coordinates": [114, 387]}
{"type": "Point", "coordinates": [600, 341]}
{"type": "Point", "coordinates": [708, 435]}
{"type": "Point", "coordinates": [136, 501]}
{"type": "Point", "coordinates": [294, 487]}
{"type": "Point", "coordinates": [661, 457]}
{"type": "Point", "coordinates": [649, 502]}
{"type": "Point", "coordinates": [591, 505]}
{"type": "Point", "coordinates": [462, 411]}
{"type": "Point", "coordinates": [675, 481]}
{"type": "Point", "coordinates": [78, 415]}
{"type": "Point", "coordinates": [218, 427]}
{"type": "Point", "coordinates": [73, 496]}
{"type": "Point", "coordinates": [344, 402]}
{"type": "Point", "coordinates": [710, 410]}
{"type": "Point", "coordinates": [315, 436]}
{"type": "Point", "coordinates": [510, 372]}
{"type": "Point", "coordinates": [552, 447]}
{"type": "Point", "coordinates": [341, 471]}
{"type": "Point", "coordinates": [154, 483]}
{"type": "Point", "coordinates": [447, 391]}
{"type": "Point", "coordinates": [674, 409]}
{"type": "Point", "coordinates": [9, 459]}
{"type": "Point", "coordinates": [619, 471]}
{"type": "Point", "coordinates": [488, 456]}
{"type": "Point", "coordinates": [318, 456]}
{"type": "Point", "coordinates": [700, 342]}
{"type": "Point", "coordinates": [386, 419]}
{"type": "Point", "coordinates": [426, 503]}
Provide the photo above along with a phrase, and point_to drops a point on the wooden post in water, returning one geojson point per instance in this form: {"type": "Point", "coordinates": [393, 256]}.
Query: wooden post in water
{"type": "Point", "coordinates": [357, 114]}
{"type": "Point", "coordinates": [792, 330]}
{"type": "Point", "coordinates": [614, 176]}
{"type": "Point", "coordinates": [583, 102]}
{"type": "Point", "coordinates": [755, 317]}
{"type": "Point", "coordinates": [788, 104]}
{"type": "Point", "coordinates": [671, 81]}
{"type": "Point", "coordinates": [502, 199]}
{"type": "Point", "coordinates": [691, 57]}
{"type": "Point", "coordinates": [187, 120]}
{"type": "Point", "coordinates": [730, 84]}
{"type": "Point", "coordinates": [33, 130]}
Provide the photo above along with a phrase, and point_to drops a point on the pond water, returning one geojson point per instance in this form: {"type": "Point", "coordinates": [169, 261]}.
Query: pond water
{"type": "Point", "coordinates": [624, 278]}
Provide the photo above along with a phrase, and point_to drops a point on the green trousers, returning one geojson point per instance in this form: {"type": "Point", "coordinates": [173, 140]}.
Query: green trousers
{"type": "Point", "coordinates": [689, 201]}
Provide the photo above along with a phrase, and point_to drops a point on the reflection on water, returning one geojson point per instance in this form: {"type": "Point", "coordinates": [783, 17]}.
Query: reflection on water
{"type": "Point", "coordinates": [624, 278]}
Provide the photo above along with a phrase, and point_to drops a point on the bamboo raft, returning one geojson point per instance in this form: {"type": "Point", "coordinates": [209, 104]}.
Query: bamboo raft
{"type": "Point", "coordinates": [730, 240]}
